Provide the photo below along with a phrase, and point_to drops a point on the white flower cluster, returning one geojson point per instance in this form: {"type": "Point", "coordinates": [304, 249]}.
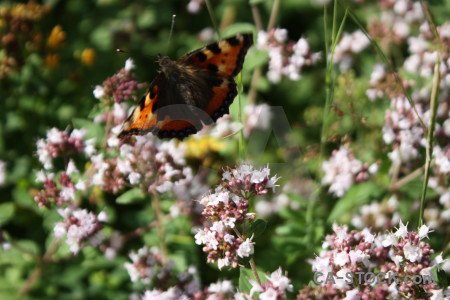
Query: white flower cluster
{"type": "Point", "coordinates": [349, 45]}
{"type": "Point", "coordinates": [271, 206]}
{"type": "Point", "coordinates": [142, 267]}
{"type": "Point", "coordinates": [247, 173]}
{"type": "Point", "coordinates": [377, 77]}
{"type": "Point", "coordinates": [172, 293]}
{"type": "Point", "coordinates": [438, 217]}
{"type": "Point", "coordinates": [215, 291]}
{"type": "Point", "coordinates": [275, 287]}
{"type": "Point", "coordinates": [256, 117]}
{"type": "Point", "coordinates": [396, 253]}
{"type": "Point", "coordinates": [194, 6]}
{"type": "Point", "coordinates": [402, 128]}
{"type": "Point", "coordinates": [99, 91]}
{"type": "Point", "coordinates": [218, 235]}
{"type": "Point", "coordinates": [342, 170]}
{"type": "Point", "coordinates": [286, 58]}
{"type": "Point", "coordinates": [378, 216]}
{"type": "Point", "coordinates": [58, 141]}
{"type": "Point", "coordinates": [167, 168]}
{"type": "Point", "coordinates": [78, 226]}
{"type": "Point", "coordinates": [2, 172]}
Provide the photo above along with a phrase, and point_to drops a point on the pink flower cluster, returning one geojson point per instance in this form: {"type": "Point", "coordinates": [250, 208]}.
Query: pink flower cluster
{"type": "Point", "coordinates": [379, 216]}
{"type": "Point", "coordinates": [276, 287]}
{"type": "Point", "coordinates": [437, 215]}
{"type": "Point", "coordinates": [349, 45]}
{"type": "Point", "coordinates": [245, 180]}
{"type": "Point", "coordinates": [194, 6]}
{"type": "Point", "coordinates": [257, 117]}
{"type": "Point", "coordinates": [167, 170]}
{"type": "Point", "coordinates": [286, 58]}
{"type": "Point", "coordinates": [226, 208]}
{"type": "Point", "coordinates": [60, 188]}
{"type": "Point", "coordinates": [149, 268]}
{"type": "Point", "coordinates": [62, 144]}
{"type": "Point", "coordinates": [114, 173]}
{"type": "Point", "coordinates": [404, 23]}
{"type": "Point", "coordinates": [271, 207]}
{"type": "Point", "coordinates": [119, 87]}
{"type": "Point", "coordinates": [342, 170]}
{"type": "Point", "coordinates": [54, 193]}
{"type": "Point", "coordinates": [396, 22]}
{"type": "Point", "coordinates": [402, 129]}
{"type": "Point", "coordinates": [221, 290]}
{"type": "Point", "coordinates": [79, 227]}
{"type": "Point", "coordinates": [394, 254]}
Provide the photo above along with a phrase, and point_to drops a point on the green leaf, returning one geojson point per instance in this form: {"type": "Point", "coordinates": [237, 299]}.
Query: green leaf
{"type": "Point", "coordinates": [256, 58]}
{"type": "Point", "coordinates": [6, 212]}
{"type": "Point", "coordinates": [257, 228]}
{"type": "Point", "coordinates": [244, 280]}
{"type": "Point", "coordinates": [356, 196]}
{"type": "Point", "coordinates": [253, 2]}
{"type": "Point", "coordinates": [93, 130]}
{"type": "Point", "coordinates": [413, 190]}
{"type": "Point", "coordinates": [131, 196]}
{"type": "Point", "coordinates": [22, 197]}
{"type": "Point", "coordinates": [443, 279]}
{"type": "Point", "coordinates": [238, 28]}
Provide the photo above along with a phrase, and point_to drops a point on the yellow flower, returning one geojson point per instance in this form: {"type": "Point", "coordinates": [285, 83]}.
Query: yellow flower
{"type": "Point", "coordinates": [29, 11]}
{"type": "Point", "coordinates": [52, 60]}
{"type": "Point", "coordinates": [56, 37]}
{"type": "Point", "coordinates": [200, 147]}
{"type": "Point", "coordinates": [88, 56]}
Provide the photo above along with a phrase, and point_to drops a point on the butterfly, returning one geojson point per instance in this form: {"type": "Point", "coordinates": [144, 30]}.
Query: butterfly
{"type": "Point", "coordinates": [191, 92]}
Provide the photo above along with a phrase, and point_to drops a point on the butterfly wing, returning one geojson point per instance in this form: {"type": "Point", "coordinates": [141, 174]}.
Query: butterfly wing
{"type": "Point", "coordinates": [222, 60]}
{"type": "Point", "coordinates": [162, 112]}
{"type": "Point", "coordinates": [197, 89]}
{"type": "Point", "coordinates": [225, 57]}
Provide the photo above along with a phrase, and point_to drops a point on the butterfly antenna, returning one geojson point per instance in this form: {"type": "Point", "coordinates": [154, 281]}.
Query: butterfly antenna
{"type": "Point", "coordinates": [118, 50]}
{"type": "Point", "coordinates": [213, 18]}
{"type": "Point", "coordinates": [171, 30]}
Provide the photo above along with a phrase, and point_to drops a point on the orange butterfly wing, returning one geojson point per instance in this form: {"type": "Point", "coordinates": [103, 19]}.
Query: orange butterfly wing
{"type": "Point", "coordinates": [226, 58]}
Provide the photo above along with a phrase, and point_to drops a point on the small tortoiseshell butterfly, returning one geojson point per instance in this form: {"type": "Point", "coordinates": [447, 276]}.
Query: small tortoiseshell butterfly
{"type": "Point", "coordinates": [191, 92]}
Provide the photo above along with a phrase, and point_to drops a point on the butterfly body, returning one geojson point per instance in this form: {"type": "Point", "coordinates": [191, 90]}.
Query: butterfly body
{"type": "Point", "coordinates": [190, 92]}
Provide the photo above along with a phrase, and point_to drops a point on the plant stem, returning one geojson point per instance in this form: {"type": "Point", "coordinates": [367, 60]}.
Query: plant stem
{"type": "Point", "coordinates": [329, 76]}
{"type": "Point", "coordinates": [212, 17]}
{"type": "Point", "coordinates": [255, 272]}
{"type": "Point", "coordinates": [38, 271]}
{"type": "Point", "coordinates": [273, 15]}
{"type": "Point", "coordinates": [400, 183]}
{"type": "Point", "coordinates": [256, 17]}
{"type": "Point", "coordinates": [242, 144]}
{"type": "Point", "coordinates": [434, 101]}
{"type": "Point", "coordinates": [389, 66]}
{"type": "Point", "coordinates": [430, 135]}
{"type": "Point", "coordinates": [228, 16]}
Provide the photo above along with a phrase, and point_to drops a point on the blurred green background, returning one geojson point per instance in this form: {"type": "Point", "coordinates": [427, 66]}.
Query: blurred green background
{"type": "Point", "coordinates": [53, 53]}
